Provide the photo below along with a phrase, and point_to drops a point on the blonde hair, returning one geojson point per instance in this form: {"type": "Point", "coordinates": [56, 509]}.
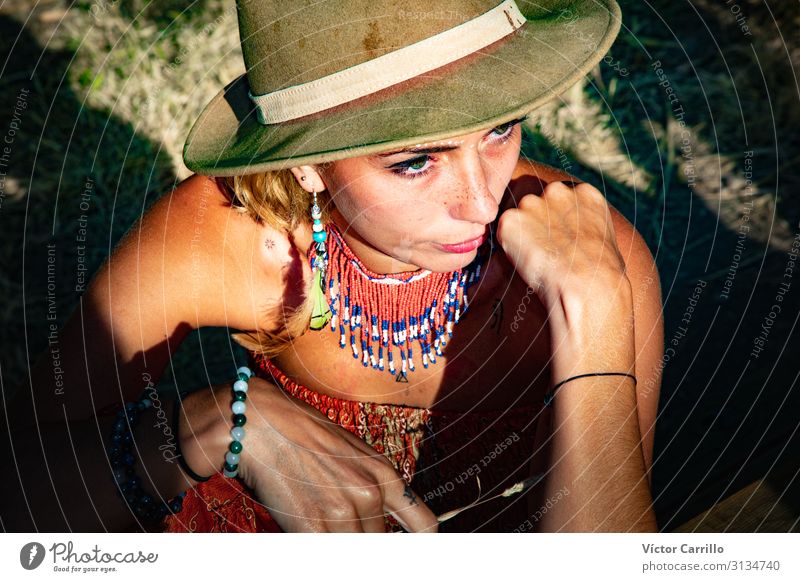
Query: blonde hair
{"type": "Point", "coordinates": [276, 198]}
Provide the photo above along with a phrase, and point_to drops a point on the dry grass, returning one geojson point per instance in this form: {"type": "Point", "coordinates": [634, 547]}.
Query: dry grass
{"type": "Point", "coordinates": [109, 102]}
{"type": "Point", "coordinates": [156, 77]}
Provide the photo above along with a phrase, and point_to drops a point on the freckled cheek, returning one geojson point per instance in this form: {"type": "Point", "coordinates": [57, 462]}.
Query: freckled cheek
{"type": "Point", "coordinates": [399, 215]}
{"type": "Point", "coordinates": [501, 171]}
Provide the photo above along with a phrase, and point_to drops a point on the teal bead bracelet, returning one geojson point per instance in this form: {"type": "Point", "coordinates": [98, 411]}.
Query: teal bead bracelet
{"type": "Point", "coordinates": [238, 407]}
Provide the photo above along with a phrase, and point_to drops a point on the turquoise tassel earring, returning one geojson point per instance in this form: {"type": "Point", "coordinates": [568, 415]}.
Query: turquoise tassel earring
{"type": "Point", "coordinates": [321, 311]}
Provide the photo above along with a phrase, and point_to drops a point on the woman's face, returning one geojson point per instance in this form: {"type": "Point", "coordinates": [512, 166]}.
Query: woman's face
{"type": "Point", "coordinates": [427, 206]}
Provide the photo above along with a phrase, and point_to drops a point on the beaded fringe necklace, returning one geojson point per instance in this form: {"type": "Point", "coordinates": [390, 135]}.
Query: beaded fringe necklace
{"type": "Point", "coordinates": [384, 315]}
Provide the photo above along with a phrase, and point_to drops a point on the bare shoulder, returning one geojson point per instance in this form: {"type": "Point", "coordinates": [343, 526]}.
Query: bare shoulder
{"type": "Point", "coordinates": [639, 261]}
{"type": "Point", "coordinates": [214, 265]}
{"type": "Point", "coordinates": [530, 177]}
{"type": "Point", "coordinates": [540, 171]}
{"type": "Point", "coordinates": [649, 326]}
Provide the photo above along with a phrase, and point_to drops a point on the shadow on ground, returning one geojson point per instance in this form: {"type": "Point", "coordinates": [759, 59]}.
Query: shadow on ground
{"type": "Point", "coordinates": [729, 399]}
{"type": "Point", "coordinates": [76, 180]}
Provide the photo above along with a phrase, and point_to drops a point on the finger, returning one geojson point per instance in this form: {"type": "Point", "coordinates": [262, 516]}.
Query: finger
{"type": "Point", "coordinates": [375, 524]}
{"type": "Point", "coordinates": [340, 524]}
{"type": "Point", "coordinates": [368, 508]}
{"type": "Point", "coordinates": [313, 515]}
{"type": "Point", "coordinates": [352, 524]}
{"type": "Point", "coordinates": [403, 503]}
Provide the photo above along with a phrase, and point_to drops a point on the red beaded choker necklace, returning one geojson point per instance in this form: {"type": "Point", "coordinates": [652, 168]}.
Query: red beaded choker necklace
{"type": "Point", "coordinates": [384, 314]}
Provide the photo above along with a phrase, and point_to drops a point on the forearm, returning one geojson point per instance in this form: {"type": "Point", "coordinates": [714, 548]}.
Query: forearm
{"type": "Point", "coordinates": [59, 477]}
{"type": "Point", "coordinates": [597, 457]}
{"type": "Point", "coordinates": [596, 446]}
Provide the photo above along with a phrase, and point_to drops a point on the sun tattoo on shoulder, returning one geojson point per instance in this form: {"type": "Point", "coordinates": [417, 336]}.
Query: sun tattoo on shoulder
{"type": "Point", "coordinates": [269, 243]}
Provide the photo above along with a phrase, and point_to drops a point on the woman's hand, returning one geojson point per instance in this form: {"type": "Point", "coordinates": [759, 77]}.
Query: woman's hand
{"type": "Point", "coordinates": [563, 245]}
{"type": "Point", "coordinates": [311, 474]}
{"type": "Point", "coordinates": [562, 240]}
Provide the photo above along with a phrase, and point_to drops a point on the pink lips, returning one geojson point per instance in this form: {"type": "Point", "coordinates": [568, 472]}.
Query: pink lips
{"type": "Point", "coordinates": [464, 247]}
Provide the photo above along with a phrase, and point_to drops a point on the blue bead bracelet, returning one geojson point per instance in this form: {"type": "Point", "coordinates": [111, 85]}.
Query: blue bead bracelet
{"type": "Point", "coordinates": [122, 458]}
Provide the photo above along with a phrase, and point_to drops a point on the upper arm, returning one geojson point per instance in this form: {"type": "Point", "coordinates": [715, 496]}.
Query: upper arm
{"type": "Point", "coordinates": [648, 326]}
{"type": "Point", "coordinates": [531, 177]}
{"type": "Point", "coordinates": [174, 271]}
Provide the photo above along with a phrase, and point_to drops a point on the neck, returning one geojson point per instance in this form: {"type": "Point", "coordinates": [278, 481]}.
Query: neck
{"type": "Point", "coordinates": [371, 257]}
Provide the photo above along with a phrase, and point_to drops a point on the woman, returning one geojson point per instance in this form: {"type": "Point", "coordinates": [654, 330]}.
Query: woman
{"type": "Point", "coordinates": [363, 179]}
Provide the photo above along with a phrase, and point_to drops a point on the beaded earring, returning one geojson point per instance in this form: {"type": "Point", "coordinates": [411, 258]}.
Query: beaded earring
{"type": "Point", "coordinates": [321, 311]}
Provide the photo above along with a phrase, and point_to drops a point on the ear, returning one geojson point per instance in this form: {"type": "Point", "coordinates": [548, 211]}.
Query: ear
{"type": "Point", "coordinates": [309, 178]}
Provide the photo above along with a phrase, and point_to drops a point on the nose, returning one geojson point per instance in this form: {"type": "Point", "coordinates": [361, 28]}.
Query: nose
{"type": "Point", "coordinates": [474, 201]}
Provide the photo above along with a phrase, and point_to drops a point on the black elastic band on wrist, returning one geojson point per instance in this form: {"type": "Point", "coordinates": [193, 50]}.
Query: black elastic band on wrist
{"type": "Point", "coordinates": [548, 398]}
{"type": "Point", "coordinates": [181, 460]}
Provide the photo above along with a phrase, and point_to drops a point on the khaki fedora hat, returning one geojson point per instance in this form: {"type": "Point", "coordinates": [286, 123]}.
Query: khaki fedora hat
{"type": "Point", "coordinates": [332, 79]}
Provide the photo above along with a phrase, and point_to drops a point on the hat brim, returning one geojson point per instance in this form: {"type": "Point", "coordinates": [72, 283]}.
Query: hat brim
{"type": "Point", "coordinates": [501, 82]}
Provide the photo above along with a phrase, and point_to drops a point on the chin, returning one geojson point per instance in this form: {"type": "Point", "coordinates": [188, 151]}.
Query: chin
{"type": "Point", "coordinates": [446, 262]}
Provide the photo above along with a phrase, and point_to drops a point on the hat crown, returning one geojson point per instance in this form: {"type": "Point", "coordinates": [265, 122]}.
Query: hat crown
{"type": "Point", "coordinates": [317, 69]}
{"type": "Point", "coordinates": [290, 43]}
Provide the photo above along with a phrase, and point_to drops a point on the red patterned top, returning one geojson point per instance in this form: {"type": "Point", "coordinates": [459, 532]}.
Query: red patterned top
{"type": "Point", "coordinates": [449, 458]}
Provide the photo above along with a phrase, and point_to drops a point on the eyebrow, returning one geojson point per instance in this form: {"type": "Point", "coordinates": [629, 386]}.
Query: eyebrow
{"type": "Point", "coordinates": [438, 149]}
{"type": "Point", "coordinates": [434, 150]}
